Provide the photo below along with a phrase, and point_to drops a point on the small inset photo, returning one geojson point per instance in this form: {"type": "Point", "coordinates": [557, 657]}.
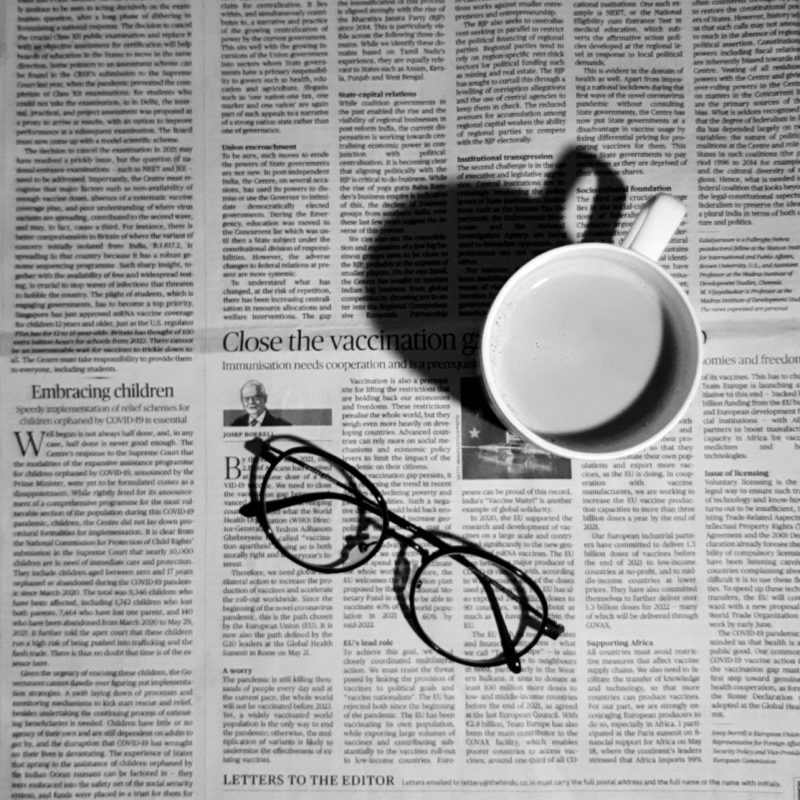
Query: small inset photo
{"type": "Point", "coordinates": [257, 410]}
{"type": "Point", "coordinates": [490, 452]}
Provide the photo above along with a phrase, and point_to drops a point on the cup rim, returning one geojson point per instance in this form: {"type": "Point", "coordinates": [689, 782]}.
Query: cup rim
{"type": "Point", "coordinates": [505, 414]}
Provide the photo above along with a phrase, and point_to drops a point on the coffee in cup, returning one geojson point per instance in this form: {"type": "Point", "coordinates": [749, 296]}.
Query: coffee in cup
{"type": "Point", "coordinates": [593, 350]}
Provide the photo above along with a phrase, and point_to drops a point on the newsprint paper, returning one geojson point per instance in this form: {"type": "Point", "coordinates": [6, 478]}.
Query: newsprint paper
{"type": "Point", "coordinates": [233, 228]}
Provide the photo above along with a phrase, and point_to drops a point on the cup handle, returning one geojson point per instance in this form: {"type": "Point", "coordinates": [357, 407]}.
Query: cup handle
{"type": "Point", "coordinates": [655, 226]}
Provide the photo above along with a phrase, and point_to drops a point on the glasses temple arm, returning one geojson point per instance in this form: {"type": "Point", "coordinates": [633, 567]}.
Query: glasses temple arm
{"type": "Point", "coordinates": [271, 506]}
{"type": "Point", "coordinates": [510, 654]}
{"type": "Point", "coordinates": [550, 628]}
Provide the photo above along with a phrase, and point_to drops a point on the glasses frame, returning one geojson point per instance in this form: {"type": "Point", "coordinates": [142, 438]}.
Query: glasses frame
{"type": "Point", "coordinates": [260, 508]}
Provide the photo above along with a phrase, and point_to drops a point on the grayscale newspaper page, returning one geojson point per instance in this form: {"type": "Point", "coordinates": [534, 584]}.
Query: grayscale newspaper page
{"type": "Point", "coordinates": [232, 229]}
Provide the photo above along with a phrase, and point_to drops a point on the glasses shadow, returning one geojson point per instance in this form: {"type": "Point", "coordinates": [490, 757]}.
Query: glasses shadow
{"type": "Point", "coordinates": [403, 568]}
{"type": "Point", "coordinates": [440, 257]}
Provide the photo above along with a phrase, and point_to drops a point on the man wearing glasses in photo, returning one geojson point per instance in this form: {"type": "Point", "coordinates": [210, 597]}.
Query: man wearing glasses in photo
{"type": "Point", "coordinates": [254, 400]}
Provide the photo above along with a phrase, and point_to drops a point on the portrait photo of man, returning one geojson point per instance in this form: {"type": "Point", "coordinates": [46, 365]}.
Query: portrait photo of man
{"type": "Point", "coordinates": [253, 395]}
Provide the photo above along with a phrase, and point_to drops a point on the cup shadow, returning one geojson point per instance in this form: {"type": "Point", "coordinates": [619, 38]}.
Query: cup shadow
{"type": "Point", "coordinates": [440, 257]}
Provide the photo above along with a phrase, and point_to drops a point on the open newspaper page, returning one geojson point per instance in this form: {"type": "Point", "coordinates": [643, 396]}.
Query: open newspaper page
{"type": "Point", "coordinates": [238, 232]}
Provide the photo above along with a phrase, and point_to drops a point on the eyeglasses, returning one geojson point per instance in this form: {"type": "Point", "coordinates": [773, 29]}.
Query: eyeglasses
{"type": "Point", "coordinates": [465, 603]}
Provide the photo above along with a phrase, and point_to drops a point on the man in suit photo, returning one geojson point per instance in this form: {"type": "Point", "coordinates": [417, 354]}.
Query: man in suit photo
{"type": "Point", "coordinates": [254, 400]}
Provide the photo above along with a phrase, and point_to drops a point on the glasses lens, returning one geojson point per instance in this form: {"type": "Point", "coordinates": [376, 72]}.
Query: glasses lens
{"type": "Point", "coordinates": [453, 605]}
{"type": "Point", "coordinates": [321, 513]}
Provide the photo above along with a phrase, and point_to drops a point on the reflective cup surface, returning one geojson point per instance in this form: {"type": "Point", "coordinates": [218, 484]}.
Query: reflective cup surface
{"type": "Point", "coordinates": [591, 351]}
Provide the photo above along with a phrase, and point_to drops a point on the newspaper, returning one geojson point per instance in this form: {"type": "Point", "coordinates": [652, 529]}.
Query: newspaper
{"type": "Point", "coordinates": [216, 211]}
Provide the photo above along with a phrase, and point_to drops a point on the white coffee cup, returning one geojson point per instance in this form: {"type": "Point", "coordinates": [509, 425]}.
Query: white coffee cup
{"type": "Point", "coordinates": [592, 350]}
